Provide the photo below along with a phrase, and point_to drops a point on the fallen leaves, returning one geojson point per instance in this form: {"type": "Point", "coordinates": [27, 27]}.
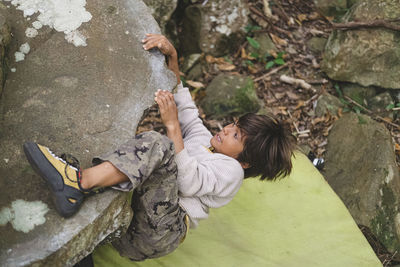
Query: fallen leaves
{"type": "Point", "coordinates": [195, 84]}
{"type": "Point", "coordinates": [221, 63]}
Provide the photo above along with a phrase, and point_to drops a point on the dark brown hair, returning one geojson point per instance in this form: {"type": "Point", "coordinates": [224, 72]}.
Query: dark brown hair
{"type": "Point", "coordinates": [268, 146]}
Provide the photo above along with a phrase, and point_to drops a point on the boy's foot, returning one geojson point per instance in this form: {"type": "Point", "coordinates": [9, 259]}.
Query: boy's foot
{"type": "Point", "coordinates": [60, 174]}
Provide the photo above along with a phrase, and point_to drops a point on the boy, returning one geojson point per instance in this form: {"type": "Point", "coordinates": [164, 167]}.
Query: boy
{"type": "Point", "coordinates": [175, 179]}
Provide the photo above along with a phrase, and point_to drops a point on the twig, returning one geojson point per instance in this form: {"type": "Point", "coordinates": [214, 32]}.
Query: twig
{"type": "Point", "coordinates": [297, 82]}
{"type": "Point", "coordinates": [372, 113]}
{"type": "Point", "coordinates": [282, 10]}
{"type": "Point", "coordinates": [305, 132]}
{"type": "Point", "coordinates": [271, 72]}
{"type": "Point", "coordinates": [270, 23]}
{"type": "Point", "coordinates": [366, 24]}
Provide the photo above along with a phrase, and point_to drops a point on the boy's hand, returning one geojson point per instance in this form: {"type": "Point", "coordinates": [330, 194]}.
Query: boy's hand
{"type": "Point", "coordinates": [153, 40]}
{"type": "Point", "coordinates": [167, 107]}
{"type": "Point", "coordinates": [159, 41]}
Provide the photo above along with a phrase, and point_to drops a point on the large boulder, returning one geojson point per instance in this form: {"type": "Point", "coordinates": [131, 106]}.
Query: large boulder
{"type": "Point", "coordinates": [366, 56]}
{"type": "Point", "coordinates": [230, 95]}
{"type": "Point", "coordinates": [84, 100]}
{"type": "Point", "coordinates": [213, 28]}
{"type": "Point", "coordinates": [361, 167]}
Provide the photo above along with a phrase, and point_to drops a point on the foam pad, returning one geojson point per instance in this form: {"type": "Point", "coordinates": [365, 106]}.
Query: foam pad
{"type": "Point", "coordinates": [297, 221]}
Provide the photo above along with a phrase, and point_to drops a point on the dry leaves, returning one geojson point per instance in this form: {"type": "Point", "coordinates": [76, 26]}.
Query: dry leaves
{"type": "Point", "coordinates": [277, 40]}
{"type": "Point", "coordinates": [195, 84]}
{"type": "Point", "coordinates": [221, 63]}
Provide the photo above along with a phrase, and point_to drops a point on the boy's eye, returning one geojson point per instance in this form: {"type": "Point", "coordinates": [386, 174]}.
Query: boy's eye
{"type": "Point", "coordinates": [235, 135]}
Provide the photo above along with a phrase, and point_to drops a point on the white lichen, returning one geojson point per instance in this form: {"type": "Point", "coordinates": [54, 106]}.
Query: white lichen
{"type": "Point", "coordinates": [24, 215]}
{"type": "Point", "coordinates": [37, 25]}
{"type": "Point", "coordinates": [25, 48]}
{"type": "Point", "coordinates": [76, 38]}
{"type": "Point", "coordinates": [13, 69]}
{"type": "Point", "coordinates": [62, 15]}
{"type": "Point", "coordinates": [31, 32]}
{"type": "Point", "coordinates": [19, 56]}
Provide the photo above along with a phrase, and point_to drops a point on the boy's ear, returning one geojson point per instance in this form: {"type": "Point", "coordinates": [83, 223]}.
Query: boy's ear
{"type": "Point", "coordinates": [245, 165]}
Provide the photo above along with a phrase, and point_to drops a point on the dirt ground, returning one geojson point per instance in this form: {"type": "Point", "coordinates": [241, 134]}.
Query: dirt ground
{"type": "Point", "coordinates": [292, 24]}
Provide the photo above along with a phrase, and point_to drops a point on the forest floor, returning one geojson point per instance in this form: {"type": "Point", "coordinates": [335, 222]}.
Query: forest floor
{"type": "Point", "coordinates": [293, 23]}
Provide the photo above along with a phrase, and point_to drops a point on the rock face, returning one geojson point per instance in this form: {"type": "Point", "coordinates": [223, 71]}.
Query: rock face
{"type": "Point", "coordinates": [214, 27]}
{"type": "Point", "coordinates": [327, 103]}
{"type": "Point", "coordinates": [366, 56]}
{"type": "Point", "coordinates": [81, 100]}
{"type": "Point", "coordinates": [230, 95]}
{"type": "Point", "coordinates": [361, 167]}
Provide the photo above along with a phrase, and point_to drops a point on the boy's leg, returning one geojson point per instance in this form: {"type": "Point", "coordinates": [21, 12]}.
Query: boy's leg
{"type": "Point", "coordinates": [158, 226]}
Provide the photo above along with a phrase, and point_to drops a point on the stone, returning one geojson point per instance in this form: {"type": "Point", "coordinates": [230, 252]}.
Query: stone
{"type": "Point", "coordinates": [230, 95]}
{"type": "Point", "coordinates": [266, 45]}
{"type": "Point", "coordinates": [359, 93]}
{"type": "Point", "coordinates": [360, 166]}
{"type": "Point", "coordinates": [328, 103]}
{"type": "Point", "coordinates": [379, 103]}
{"type": "Point", "coordinates": [316, 44]}
{"type": "Point", "coordinates": [331, 7]}
{"type": "Point", "coordinates": [162, 11]}
{"type": "Point", "coordinates": [366, 56]}
{"type": "Point", "coordinates": [83, 100]}
{"type": "Point", "coordinates": [214, 28]}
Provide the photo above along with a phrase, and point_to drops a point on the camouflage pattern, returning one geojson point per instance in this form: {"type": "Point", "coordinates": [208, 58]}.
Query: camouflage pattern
{"type": "Point", "coordinates": [157, 226]}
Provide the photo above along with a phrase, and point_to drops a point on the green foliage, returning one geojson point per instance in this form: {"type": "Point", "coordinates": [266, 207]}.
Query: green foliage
{"type": "Point", "coordinates": [277, 61]}
{"type": "Point", "coordinates": [253, 42]}
{"type": "Point", "coordinates": [251, 28]}
{"type": "Point", "coordinates": [392, 106]}
{"type": "Point", "coordinates": [269, 64]}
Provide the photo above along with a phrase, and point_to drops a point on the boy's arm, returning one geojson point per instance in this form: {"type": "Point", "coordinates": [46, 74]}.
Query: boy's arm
{"type": "Point", "coordinates": [189, 120]}
{"type": "Point", "coordinates": [153, 40]}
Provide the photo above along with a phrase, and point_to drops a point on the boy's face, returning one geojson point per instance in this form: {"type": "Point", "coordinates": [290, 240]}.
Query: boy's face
{"type": "Point", "coordinates": [228, 141]}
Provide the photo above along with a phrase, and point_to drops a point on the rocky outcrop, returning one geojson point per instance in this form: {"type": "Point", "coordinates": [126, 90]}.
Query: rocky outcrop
{"type": "Point", "coordinates": [230, 95]}
{"type": "Point", "coordinates": [366, 56]}
{"type": "Point", "coordinates": [213, 28]}
{"type": "Point", "coordinates": [361, 167]}
{"type": "Point", "coordinates": [83, 100]}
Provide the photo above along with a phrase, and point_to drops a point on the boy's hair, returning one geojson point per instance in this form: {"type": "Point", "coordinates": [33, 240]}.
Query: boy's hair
{"type": "Point", "coordinates": [268, 146]}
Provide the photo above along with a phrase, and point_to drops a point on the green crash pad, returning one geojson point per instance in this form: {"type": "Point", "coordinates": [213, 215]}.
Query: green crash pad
{"type": "Point", "coordinates": [297, 221]}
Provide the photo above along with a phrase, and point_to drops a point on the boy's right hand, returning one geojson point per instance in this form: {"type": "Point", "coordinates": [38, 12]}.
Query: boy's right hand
{"type": "Point", "coordinates": [159, 41]}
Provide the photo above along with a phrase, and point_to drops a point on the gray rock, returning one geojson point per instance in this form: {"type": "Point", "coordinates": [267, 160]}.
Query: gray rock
{"type": "Point", "coordinates": [359, 93]}
{"type": "Point", "coordinates": [327, 103]}
{"type": "Point", "coordinates": [379, 103]}
{"type": "Point", "coordinates": [213, 28]}
{"type": "Point", "coordinates": [230, 95]}
{"type": "Point", "coordinates": [366, 56]}
{"type": "Point", "coordinates": [361, 167]}
{"type": "Point", "coordinates": [266, 45]}
{"type": "Point", "coordinates": [162, 11]}
{"type": "Point", "coordinates": [82, 100]}
{"type": "Point", "coordinates": [316, 44]}
{"type": "Point", "coordinates": [331, 7]}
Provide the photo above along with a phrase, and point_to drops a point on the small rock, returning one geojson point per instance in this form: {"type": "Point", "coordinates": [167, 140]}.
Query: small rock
{"type": "Point", "coordinates": [327, 102]}
{"type": "Point", "coordinates": [316, 44]}
{"type": "Point", "coordinates": [230, 95]}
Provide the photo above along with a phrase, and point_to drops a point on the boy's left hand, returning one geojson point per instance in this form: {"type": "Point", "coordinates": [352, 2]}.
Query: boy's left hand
{"type": "Point", "coordinates": [168, 109]}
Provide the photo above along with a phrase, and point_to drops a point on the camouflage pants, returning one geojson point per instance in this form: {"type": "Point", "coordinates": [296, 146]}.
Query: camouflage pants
{"type": "Point", "coordinates": [157, 226]}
